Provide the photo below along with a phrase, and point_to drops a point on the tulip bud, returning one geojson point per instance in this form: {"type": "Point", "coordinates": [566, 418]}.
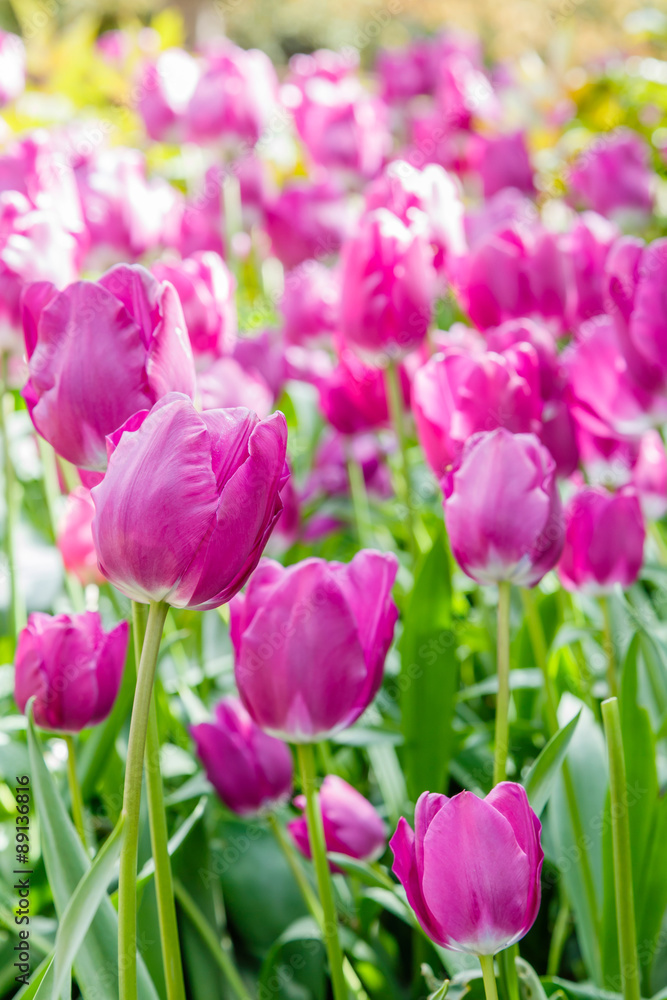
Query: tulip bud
{"type": "Point", "coordinates": [72, 668]}
{"type": "Point", "coordinates": [98, 352]}
{"type": "Point", "coordinates": [75, 537]}
{"type": "Point", "coordinates": [502, 509]}
{"type": "Point", "coordinates": [604, 540]}
{"type": "Point", "coordinates": [471, 868]}
{"type": "Point", "coordinates": [250, 770]}
{"type": "Point", "coordinates": [310, 642]}
{"type": "Point", "coordinates": [352, 826]}
{"type": "Point", "coordinates": [188, 502]}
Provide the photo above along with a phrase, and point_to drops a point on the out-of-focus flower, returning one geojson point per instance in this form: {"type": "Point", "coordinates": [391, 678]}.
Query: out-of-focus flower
{"type": "Point", "coordinates": [188, 502]}
{"type": "Point", "coordinates": [604, 540]}
{"type": "Point", "coordinates": [164, 91]}
{"type": "Point", "coordinates": [12, 67]}
{"type": "Point", "coordinates": [405, 71]}
{"type": "Point", "coordinates": [471, 868]}
{"type": "Point", "coordinates": [329, 476]}
{"type": "Point", "coordinates": [504, 162]}
{"type": "Point", "coordinates": [264, 355]}
{"type": "Point", "coordinates": [311, 302]}
{"type": "Point", "coordinates": [324, 63]}
{"type": "Point", "coordinates": [205, 287]}
{"type": "Point", "coordinates": [75, 537]}
{"type": "Point", "coordinates": [458, 393]}
{"type": "Point", "coordinates": [250, 770]}
{"type": "Point", "coordinates": [388, 286]}
{"type": "Point", "coordinates": [352, 825]}
{"type": "Point", "coordinates": [649, 476]}
{"type": "Point", "coordinates": [71, 667]}
{"type": "Point", "coordinates": [310, 642]}
{"type": "Point", "coordinates": [587, 246]}
{"type": "Point", "coordinates": [227, 383]}
{"type": "Point", "coordinates": [202, 221]}
{"type": "Point", "coordinates": [308, 220]}
{"type": "Point", "coordinates": [613, 174]}
{"type": "Point", "coordinates": [502, 509]}
{"type": "Point", "coordinates": [354, 396]}
{"type": "Point", "coordinates": [99, 352]}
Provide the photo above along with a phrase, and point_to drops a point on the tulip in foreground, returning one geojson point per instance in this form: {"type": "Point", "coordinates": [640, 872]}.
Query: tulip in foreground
{"type": "Point", "coordinates": [310, 642]}
{"type": "Point", "coordinates": [188, 502]}
{"type": "Point", "coordinates": [72, 668]}
{"type": "Point", "coordinates": [352, 825]}
{"type": "Point", "coordinates": [503, 510]}
{"type": "Point", "coordinates": [250, 770]}
{"type": "Point", "coordinates": [471, 868]}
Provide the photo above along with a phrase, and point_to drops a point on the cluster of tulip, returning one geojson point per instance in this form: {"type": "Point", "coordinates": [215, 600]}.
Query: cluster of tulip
{"type": "Point", "coordinates": [383, 263]}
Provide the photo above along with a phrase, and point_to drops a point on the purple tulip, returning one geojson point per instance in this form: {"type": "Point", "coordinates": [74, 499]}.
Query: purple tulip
{"type": "Point", "coordinates": [206, 288]}
{"type": "Point", "coordinates": [352, 825]}
{"type": "Point", "coordinates": [227, 383]}
{"type": "Point", "coordinates": [649, 476]}
{"type": "Point", "coordinates": [98, 352]}
{"type": "Point", "coordinates": [502, 509]}
{"type": "Point", "coordinates": [202, 222]}
{"type": "Point", "coordinates": [188, 502]}
{"type": "Point", "coordinates": [458, 393]}
{"type": "Point", "coordinates": [604, 540]}
{"type": "Point", "coordinates": [353, 397]}
{"type": "Point", "coordinates": [505, 163]}
{"type": "Point", "coordinates": [324, 64]}
{"type": "Point", "coordinates": [307, 221]}
{"type": "Point", "coordinates": [250, 770]}
{"type": "Point", "coordinates": [72, 668]}
{"type": "Point", "coordinates": [164, 92]}
{"type": "Point", "coordinates": [330, 477]}
{"type": "Point", "coordinates": [471, 868]}
{"type": "Point", "coordinates": [613, 174]}
{"type": "Point", "coordinates": [310, 642]}
{"type": "Point", "coordinates": [311, 302]}
{"type": "Point", "coordinates": [12, 67]}
{"type": "Point", "coordinates": [388, 286]}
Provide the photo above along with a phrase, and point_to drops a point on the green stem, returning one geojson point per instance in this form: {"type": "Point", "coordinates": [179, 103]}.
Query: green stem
{"type": "Point", "coordinates": [403, 484]}
{"type": "Point", "coordinates": [52, 496]}
{"type": "Point", "coordinates": [559, 936]}
{"type": "Point", "coordinates": [362, 514]}
{"type": "Point", "coordinates": [318, 848]}
{"type": "Point", "coordinates": [620, 835]}
{"type": "Point", "coordinates": [610, 650]}
{"type": "Point", "coordinates": [75, 791]}
{"type": "Point", "coordinates": [503, 701]}
{"type": "Point", "coordinates": [490, 988]}
{"type": "Point", "coordinates": [208, 936]}
{"type": "Point", "coordinates": [127, 883]}
{"type": "Point", "coordinates": [18, 612]}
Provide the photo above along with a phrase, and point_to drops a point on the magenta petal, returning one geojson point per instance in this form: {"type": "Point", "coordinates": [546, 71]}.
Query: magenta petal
{"type": "Point", "coordinates": [170, 365]}
{"type": "Point", "coordinates": [110, 665]}
{"type": "Point", "coordinates": [405, 869]}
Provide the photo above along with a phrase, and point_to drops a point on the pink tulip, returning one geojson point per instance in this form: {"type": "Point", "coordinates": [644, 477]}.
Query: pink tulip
{"type": "Point", "coordinates": [75, 537]}
{"type": "Point", "coordinates": [226, 383]}
{"type": "Point", "coordinates": [588, 245]}
{"type": "Point", "coordinates": [649, 476]}
{"type": "Point", "coordinates": [471, 868]}
{"type": "Point", "coordinates": [352, 825]}
{"type": "Point", "coordinates": [504, 162]}
{"type": "Point", "coordinates": [458, 393]}
{"type": "Point", "coordinates": [98, 352]}
{"type": "Point", "coordinates": [310, 642]}
{"type": "Point", "coordinates": [323, 63]}
{"type": "Point", "coordinates": [405, 72]}
{"type": "Point", "coordinates": [329, 476]}
{"type": "Point", "coordinates": [311, 302]}
{"type": "Point", "coordinates": [307, 220]}
{"type": "Point", "coordinates": [502, 509]}
{"type": "Point", "coordinates": [12, 67]}
{"type": "Point", "coordinates": [250, 771]}
{"type": "Point", "coordinates": [72, 668]}
{"type": "Point", "coordinates": [354, 396]}
{"type": "Point", "coordinates": [388, 286]}
{"type": "Point", "coordinates": [263, 355]}
{"type": "Point", "coordinates": [206, 289]}
{"type": "Point", "coordinates": [164, 92]}
{"type": "Point", "coordinates": [188, 502]}
{"type": "Point", "coordinates": [613, 175]}
{"type": "Point", "coordinates": [645, 342]}
{"type": "Point", "coordinates": [604, 541]}
{"type": "Point", "coordinates": [202, 222]}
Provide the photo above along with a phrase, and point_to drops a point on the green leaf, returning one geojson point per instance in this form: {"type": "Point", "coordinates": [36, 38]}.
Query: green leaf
{"type": "Point", "coordinates": [429, 674]}
{"type": "Point", "coordinates": [542, 775]}
{"type": "Point", "coordinates": [96, 962]}
{"type": "Point", "coordinates": [360, 870]}
{"type": "Point", "coordinates": [294, 967]}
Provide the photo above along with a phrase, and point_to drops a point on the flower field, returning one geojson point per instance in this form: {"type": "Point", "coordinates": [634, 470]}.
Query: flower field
{"type": "Point", "coordinates": [333, 590]}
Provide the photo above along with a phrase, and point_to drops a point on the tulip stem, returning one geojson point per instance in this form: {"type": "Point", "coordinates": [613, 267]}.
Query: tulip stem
{"type": "Point", "coordinates": [403, 480]}
{"type": "Point", "coordinates": [18, 613]}
{"type": "Point", "coordinates": [75, 791]}
{"type": "Point", "coordinates": [503, 700]}
{"type": "Point", "coordinates": [211, 941]}
{"type": "Point", "coordinates": [127, 882]}
{"type": "Point", "coordinates": [318, 848]}
{"type": "Point", "coordinates": [489, 976]}
{"type": "Point", "coordinates": [362, 514]}
{"type": "Point", "coordinates": [620, 835]}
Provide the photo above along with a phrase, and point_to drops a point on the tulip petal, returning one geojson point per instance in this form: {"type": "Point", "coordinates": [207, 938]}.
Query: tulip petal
{"type": "Point", "coordinates": [110, 664]}
{"type": "Point", "coordinates": [405, 869]}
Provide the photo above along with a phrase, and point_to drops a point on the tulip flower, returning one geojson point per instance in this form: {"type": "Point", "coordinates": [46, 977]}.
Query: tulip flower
{"type": "Point", "coordinates": [188, 502]}
{"type": "Point", "coordinates": [458, 393]}
{"type": "Point", "coordinates": [504, 162]}
{"type": "Point", "coordinates": [75, 537]}
{"type": "Point", "coordinates": [227, 383]}
{"type": "Point", "coordinates": [71, 667]}
{"type": "Point", "coordinates": [502, 509]}
{"type": "Point", "coordinates": [98, 352]}
{"type": "Point", "coordinates": [310, 642]}
{"type": "Point", "coordinates": [388, 286]}
{"type": "Point", "coordinates": [250, 770]}
{"type": "Point", "coordinates": [649, 476]}
{"type": "Point", "coordinates": [307, 221]}
{"type": "Point", "coordinates": [311, 302]}
{"type": "Point", "coordinates": [604, 540]}
{"type": "Point", "coordinates": [164, 92]}
{"type": "Point", "coordinates": [352, 825]}
{"type": "Point", "coordinates": [202, 223]}
{"type": "Point", "coordinates": [206, 289]}
{"type": "Point", "coordinates": [354, 397]}
{"type": "Point", "coordinates": [471, 868]}
{"type": "Point", "coordinates": [614, 174]}
{"type": "Point", "coordinates": [12, 67]}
